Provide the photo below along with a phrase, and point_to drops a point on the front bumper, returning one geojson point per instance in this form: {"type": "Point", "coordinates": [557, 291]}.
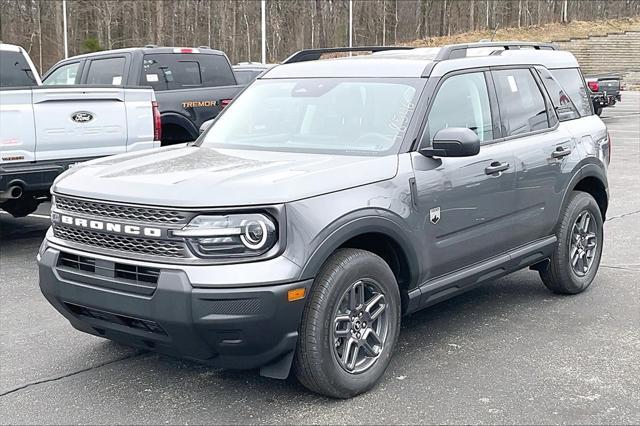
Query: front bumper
{"type": "Point", "coordinates": [243, 328]}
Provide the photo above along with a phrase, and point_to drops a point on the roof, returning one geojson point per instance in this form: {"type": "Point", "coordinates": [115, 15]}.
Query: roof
{"type": "Point", "coordinates": [425, 62]}
{"type": "Point", "coordinates": [10, 47]}
{"type": "Point", "coordinates": [149, 49]}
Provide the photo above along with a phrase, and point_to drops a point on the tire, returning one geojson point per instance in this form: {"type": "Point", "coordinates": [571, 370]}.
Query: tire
{"type": "Point", "coordinates": [560, 275]}
{"type": "Point", "coordinates": [598, 110]}
{"type": "Point", "coordinates": [21, 207]}
{"type": "Point", "coordinates": [317, 362]}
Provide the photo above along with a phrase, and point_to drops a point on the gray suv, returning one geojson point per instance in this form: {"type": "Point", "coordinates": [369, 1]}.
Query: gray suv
{"type": "Point", "coordinates": [331, 198]}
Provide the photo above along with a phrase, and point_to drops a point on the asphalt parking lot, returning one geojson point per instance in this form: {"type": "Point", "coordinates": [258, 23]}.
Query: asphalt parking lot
{"type": "Point", "coordinates": [506, 352]}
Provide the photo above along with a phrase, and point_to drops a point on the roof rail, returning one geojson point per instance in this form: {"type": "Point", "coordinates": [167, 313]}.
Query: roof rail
{"type": "Point", "coordinates": [453, 51]}
{"type": "Point", "coordinates": [315, 54]}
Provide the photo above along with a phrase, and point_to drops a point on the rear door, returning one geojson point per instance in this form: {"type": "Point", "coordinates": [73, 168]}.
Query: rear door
{"type": "Point", "coordinates": [467, 207]}
{"type": "Point", "coordinates": [542, 148]}
{"type": "Point", "coordinates": [79, 122]}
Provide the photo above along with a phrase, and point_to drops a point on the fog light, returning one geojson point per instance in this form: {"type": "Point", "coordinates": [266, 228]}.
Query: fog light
{"type": "Point", "coordinates": [296, 294]}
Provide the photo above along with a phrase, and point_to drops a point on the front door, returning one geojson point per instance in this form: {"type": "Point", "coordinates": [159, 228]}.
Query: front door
{"type": "Point", "coordinates": [467, 203]}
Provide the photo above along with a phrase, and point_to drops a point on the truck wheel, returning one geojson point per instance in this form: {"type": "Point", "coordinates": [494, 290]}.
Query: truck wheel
{"type": "Point", "coordinates": [349, 326]}
{"type": "Point", "coordinates": [21, 207]}
{"type": "Point", "coordinates": [575, 261]}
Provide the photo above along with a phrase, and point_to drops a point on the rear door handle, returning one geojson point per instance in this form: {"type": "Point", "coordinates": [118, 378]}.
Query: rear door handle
{"type": "Point", "coordinates": [496, 167]}
{"type": "Point", "coordinates": [560, 152]}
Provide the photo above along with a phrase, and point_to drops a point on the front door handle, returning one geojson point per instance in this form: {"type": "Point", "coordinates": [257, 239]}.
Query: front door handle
{"type": "Point", "coordinates": [496, 167]}
{"type": "Point", "coordinates": [560, 152]}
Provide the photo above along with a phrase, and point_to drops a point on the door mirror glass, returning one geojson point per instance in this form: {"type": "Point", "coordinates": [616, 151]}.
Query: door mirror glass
{"type": "Point", "coordinates": [453, 142]}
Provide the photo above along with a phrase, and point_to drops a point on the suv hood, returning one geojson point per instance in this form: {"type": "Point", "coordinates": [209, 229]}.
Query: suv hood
{"type": "Point", "coordinates": [191, 176]}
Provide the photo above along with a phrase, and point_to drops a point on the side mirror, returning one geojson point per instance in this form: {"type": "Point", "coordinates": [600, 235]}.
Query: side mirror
{"type": "Point", "coordinates": [453, 142]}
{"type": "Point", "coordinates": [204, 126]}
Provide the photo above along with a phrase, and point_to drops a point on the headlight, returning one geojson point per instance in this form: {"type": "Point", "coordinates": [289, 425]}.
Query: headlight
{"type": "Point", "coordinates": [229, 236]}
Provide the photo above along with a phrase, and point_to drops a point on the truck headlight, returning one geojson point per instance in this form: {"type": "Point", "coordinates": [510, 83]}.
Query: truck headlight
{"type": "Point", "coordinates": [229, 236]}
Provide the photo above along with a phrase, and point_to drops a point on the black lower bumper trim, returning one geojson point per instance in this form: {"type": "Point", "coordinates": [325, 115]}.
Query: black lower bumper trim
{"type": "Point", "coordinates": [230, 328]}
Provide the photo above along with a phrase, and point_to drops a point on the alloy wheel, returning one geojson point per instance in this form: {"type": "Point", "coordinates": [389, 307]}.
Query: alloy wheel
{"type": "Point", "coordinates": [583, 244]}
{"type": "Point", "coordinates": [360, 326]}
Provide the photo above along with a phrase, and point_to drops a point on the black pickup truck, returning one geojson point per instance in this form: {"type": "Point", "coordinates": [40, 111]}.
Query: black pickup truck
{"type": "Point", "coordinates": [605, 90]}
{"type": "Point", "coordinates": [192, 85]}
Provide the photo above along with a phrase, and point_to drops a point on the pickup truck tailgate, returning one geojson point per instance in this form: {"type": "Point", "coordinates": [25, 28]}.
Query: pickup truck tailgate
{"type": "Point", "coordinates": [79, 122]}
{"type": "Point", "coordinates": [609, 87]}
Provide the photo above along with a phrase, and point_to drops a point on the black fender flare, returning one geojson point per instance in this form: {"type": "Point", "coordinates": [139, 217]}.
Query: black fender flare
{"type": "Point", "coordinates": [358, 223]}
{"type": "Point", "coordinates": [180, 120]}
{"type": "Point", "coordinates": [590, 168]}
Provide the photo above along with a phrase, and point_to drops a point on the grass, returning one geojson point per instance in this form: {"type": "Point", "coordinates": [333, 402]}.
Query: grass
{"type": "Point", "coordinates": [543, 33]}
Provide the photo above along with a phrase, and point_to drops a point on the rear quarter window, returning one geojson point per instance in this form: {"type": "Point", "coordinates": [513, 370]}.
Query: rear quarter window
{"type": "Point", "coordinates": [561, 100]}
{"type": "Point", "coordinates": [168, 71]}
{"type": "Point", "coordinates": [572, 82]}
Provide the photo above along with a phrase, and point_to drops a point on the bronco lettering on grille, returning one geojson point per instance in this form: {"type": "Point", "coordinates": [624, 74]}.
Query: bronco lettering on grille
{"type": "Point", "coordinates": [100, 225]}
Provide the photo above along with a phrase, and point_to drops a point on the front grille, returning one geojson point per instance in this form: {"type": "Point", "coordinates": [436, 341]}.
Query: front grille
{"type": "Point", "coordinates": [135, 273]}
{"type": "Point", "coordinates": [80, 263]}
{"type": "Point", "coordinates": [121, 243]}
{"type": "Point", "coordinates": [139, 274]}
{"type": "Point", "coordinates": [116, 211]}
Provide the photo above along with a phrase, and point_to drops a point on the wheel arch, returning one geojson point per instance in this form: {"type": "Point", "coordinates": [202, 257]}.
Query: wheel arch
{"type": "Point", "coordinates": [378, 234]}
{"type": "Point", "coordinates": [179, 120]}
{"type": "Point", "coordinates": [591, 179]}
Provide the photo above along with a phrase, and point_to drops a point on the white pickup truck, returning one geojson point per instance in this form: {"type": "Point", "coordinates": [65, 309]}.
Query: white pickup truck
{"type": "Point", "coordinates": [45, 129]}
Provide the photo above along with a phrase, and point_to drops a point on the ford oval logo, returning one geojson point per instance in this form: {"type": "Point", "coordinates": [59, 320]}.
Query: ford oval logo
{"type": "Point", "coordinates": [82, 117]}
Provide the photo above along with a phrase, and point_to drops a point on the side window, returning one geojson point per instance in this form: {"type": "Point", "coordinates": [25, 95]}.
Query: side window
{"type": "Point", "coordinates": [167, 71]}
{"type": "Point", "coordinates": [64, 75]}
{"type": "Point", "coordinates": [462, 101]}
{"type": "Point", "coordinates": [561, 101]}
{"type": "Point", "coordinates": [571, 80]}
{"type": "Point", "coordinates": [106, 71]}
{"type": "Point", "coordinates": [522, 106]}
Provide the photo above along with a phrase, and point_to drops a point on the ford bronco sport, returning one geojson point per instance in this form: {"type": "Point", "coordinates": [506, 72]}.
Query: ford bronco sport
{"type": "Point", "coordinates": [330, 198]}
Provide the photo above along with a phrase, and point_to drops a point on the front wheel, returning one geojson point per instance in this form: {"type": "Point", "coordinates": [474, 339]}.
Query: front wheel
{"type": "Point", "coordinates": [349, 326]}
{"type": "Point", "coordinates": [575, 261]}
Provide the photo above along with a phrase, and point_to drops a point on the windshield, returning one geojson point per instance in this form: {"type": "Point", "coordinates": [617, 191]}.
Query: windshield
{"type": "Point", "coordinates": [328, 115]}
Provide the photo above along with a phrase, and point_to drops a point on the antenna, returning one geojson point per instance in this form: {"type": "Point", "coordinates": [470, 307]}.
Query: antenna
{"type": "Point", "coordinates": [495, 30]}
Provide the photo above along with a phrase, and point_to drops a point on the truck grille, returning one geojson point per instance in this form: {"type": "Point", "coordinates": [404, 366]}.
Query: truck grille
{"type": "Point", "coordinates": [117, 211]}
{"type": "Point", "coordinates": [121, 243]}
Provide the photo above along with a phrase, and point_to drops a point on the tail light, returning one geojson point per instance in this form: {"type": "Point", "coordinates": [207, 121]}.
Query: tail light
{"type": "Point", "coordinates": [593, 85]}
{"type": "Point", "coordinates": [157, 123]}
{"type": "Point", "coordinates": [224, 103]}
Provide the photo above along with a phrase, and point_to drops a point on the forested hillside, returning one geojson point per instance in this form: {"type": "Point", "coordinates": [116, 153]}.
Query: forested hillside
{"type": "Point", "coordinates": [234, 25]}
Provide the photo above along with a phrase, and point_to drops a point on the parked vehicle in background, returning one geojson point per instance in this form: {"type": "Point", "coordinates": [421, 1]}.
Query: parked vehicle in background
{"type": "Point", "coordinates": [16, 68]}
{"type": "Point", "coordinates": [330, 198]}
{"type": "Point", "coordinates": [46, 129]}
{"type": "Point", "coordinates": [605, 90]}
{"type": "Point", "coordinates": [192, 85]}
{"type": "Point", "coordinates": [246, 72]}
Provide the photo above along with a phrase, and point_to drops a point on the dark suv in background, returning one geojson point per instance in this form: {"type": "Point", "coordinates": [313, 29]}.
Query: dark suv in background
{"type": "Point", "coordinates": [330, 198]}
{"type": "Point", "coordinates": [192, 85]}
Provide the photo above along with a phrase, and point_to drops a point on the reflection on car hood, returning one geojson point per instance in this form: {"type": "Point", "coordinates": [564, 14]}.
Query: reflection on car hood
{"type": "Point", "coordinates": [190, 176]}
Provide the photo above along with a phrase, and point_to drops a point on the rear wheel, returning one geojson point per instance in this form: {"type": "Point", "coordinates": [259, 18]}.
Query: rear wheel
{"type": "Point", "coordinates": [598, 110]}
{"type": "Point", "coordinates": [575, 261]}
{"type": "Point", "coordinates": [350, 325]}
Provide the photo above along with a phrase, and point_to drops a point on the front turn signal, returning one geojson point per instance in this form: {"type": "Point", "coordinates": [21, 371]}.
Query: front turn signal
{"type": "Point", "coordinates": [296, 294]}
